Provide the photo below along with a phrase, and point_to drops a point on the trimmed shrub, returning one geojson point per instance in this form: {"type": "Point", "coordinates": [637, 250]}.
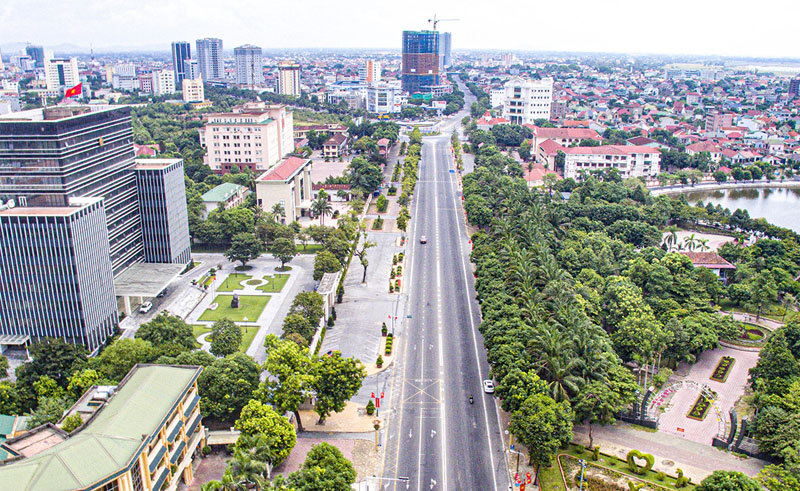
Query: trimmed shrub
{"type": "Point", "coordinates": [370, 408]}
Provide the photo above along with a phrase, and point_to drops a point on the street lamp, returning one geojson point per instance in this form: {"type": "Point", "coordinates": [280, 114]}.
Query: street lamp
{"type": "Point", "coordinates": [583, 469]}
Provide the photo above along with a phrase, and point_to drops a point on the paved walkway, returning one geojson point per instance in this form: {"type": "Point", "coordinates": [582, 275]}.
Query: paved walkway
{"type": "Point", "coordinates": [697, 460]}
{"type": "Point", "coordinates": [681, 402]}
{"type": "Point", "coordinates": [751, 319]}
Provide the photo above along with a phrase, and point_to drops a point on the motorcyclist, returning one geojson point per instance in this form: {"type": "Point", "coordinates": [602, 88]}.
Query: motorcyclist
{"type": "Point", "coordinates": [471, 399]}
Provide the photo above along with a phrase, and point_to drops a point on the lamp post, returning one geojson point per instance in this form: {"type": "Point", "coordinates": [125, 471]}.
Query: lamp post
{"type": "Point", "coordinates": [583, 469]}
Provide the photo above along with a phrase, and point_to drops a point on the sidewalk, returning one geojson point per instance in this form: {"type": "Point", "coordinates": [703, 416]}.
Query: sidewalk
{"type": "Point", "coordinates": [697, 460]}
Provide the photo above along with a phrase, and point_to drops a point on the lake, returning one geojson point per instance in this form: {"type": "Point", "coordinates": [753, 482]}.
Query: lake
{"type": "Point", "coordinates": [780, 206]}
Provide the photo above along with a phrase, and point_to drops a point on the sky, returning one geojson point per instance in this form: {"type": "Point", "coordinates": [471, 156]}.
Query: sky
{"type": "Point", "coordinates": [704, 27]}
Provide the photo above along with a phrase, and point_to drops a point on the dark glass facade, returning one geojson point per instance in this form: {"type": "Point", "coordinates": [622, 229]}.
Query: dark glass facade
{"type": "Point", "coordinates": [44, 163]}
{"type": "Point", "coordinates": [181, 51]}
{"type": "Point", "coordinates": [420, 60]}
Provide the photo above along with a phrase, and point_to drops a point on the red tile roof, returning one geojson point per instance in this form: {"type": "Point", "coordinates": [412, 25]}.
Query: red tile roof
{"type": "Point", "coordinates": [611, 150]}
{"type": "Point", "coordinates": [559, 133]}
{"type": "Point", "coordinates": [284, 170]}
{"type": "Point", "coordinates": [551, 147]}
{"type": "Point", "coordinates": [538, 172]}
{"type": "Point", "coordinates": [710, 260]}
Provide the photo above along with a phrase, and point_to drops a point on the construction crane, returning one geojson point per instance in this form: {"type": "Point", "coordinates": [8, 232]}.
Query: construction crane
{"type": "Point", "coordinates": [436, 21]}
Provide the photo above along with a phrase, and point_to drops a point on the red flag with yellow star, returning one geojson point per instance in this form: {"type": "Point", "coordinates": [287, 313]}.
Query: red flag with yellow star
{"type": "Point", "coordinates": [74, 91]}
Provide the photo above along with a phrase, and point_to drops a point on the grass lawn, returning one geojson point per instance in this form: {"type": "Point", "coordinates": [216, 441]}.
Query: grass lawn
{"type": "Point", "coordinates": [233, 282]}
{"type": "Point", "coordinates": [250, 306]}
{"type": "Point", "coordinates": [274, 283]}
{"type": "Point", "coordinates": [550, 478]}
{"type": "Point", "coordinates": [248, 333]}
{"type": "Point", "coordinates": [310, 248]}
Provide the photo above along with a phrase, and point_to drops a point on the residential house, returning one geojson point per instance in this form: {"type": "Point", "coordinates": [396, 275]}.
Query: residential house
{"type": "Point", "coordinates": [629, 160]}
{"type": "Point", "coordinates": [334, 147]}
{"type": "Point", "coordinates": [711, 261]}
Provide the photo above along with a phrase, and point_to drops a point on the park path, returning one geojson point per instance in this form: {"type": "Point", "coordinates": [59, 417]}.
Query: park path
{"type": "Point", "coordinates": [697, 460]}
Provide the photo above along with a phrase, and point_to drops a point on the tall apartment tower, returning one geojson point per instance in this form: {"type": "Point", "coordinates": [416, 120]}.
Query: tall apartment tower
{"type": "Point", "coordinates": [249, 65]}
{"type": "Point", "coordinates": [794, 87]}
{"type": "Point", "coordinates": [37, 54]}
{"type": "Point", "coordinates": [289, 78]}
{"type": "Point", "coordinates": [181, 51]}
{"type": "Point", "coordinates": [370, 72]}
{"type": "Point", "coordinates": [61, 73]}
{"type": "Point", "coordinates": [209, 57]}
{"type": "Point", "coordinates": [420, 60]}
{"type": "Point", "coordinates": [445, 59]}
{"type": "Point", "coordinates": [163, 82]}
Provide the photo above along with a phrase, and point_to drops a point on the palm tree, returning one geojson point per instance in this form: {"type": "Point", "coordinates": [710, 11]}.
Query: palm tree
{"type": "Point", "coordinates": [671, 240]}
{"type": "Point", "coordinates": [278, 212]}
{"type": "Point", "coordinates": [690, 241]}
{"type": "Point", "coordinates": [227, 483]}
{"type": "Point", "coordinates": [245, 468]}
{"type": "Point", "coordinates": [260, 448]}
{"type": "Point", "coordinates": [703, 243]}
{"type": "Point", "coordinates": [321, 207]}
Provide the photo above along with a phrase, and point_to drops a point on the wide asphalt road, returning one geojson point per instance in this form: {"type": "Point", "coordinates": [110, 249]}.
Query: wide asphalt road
{"type": "Point", "coordinates": [435, 437]}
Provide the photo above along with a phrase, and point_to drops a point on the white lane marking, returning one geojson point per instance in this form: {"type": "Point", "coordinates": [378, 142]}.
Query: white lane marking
{"type": "Point", "coordinates": [474, 337]}
{"type": "Point", "coordinates": [439, 318]}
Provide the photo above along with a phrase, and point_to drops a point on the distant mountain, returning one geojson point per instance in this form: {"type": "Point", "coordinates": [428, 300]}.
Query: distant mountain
{"type": "Point", "coordinates": [10, 49]}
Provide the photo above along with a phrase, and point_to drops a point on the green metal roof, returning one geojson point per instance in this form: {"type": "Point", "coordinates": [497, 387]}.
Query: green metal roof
{"type": "Point", "coordinates": [7, 425]}
{"type": "Point", "coordinates": [222, 192]}
{"type": "Point", "coordinates": [111, 439]}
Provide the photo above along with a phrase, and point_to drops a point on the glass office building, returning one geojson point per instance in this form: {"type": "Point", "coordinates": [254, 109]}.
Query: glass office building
{"type": "Point", "coordinates": [181, 51]}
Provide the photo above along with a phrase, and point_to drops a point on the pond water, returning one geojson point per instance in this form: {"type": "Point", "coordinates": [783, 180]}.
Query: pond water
{"type": "Point", "coordinates": [780, 206]}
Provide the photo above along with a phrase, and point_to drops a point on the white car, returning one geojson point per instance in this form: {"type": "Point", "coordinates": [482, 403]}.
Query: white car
{"type": "Point", "coordinates": [423, 240]}
{"type": "Point", "coordinates": [145, 307]}
{"type": "Point", "coordinates": [488, 386]}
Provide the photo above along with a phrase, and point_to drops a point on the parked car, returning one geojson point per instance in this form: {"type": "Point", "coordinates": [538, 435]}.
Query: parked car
{"type": "Point", "coordinates": [162, 293]}
{"type": "Point", "coordinates": [488, 386]}
{"type": "Point", "coordinates": [145, 307]}
{"type": "Point", "coordinates": [423, 240]}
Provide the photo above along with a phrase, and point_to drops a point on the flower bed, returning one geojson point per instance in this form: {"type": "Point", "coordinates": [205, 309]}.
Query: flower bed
{"type": "Point", "coordinates": [699, 408]}
{"type": "Point", "coordinates": [723, 369]}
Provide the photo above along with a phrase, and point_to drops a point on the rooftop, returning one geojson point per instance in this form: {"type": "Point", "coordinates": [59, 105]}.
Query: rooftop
{"type": "Point", "coordinates": [111, 439]}
{"type": "Point", "coordinates": [76, 204]}
{"type": "Point", "coordinates": [710, 260]}
{"type": "Point", "coordinates": [146, 279]}
{"type": "Point", "coordinates": [611, 150]}
{"type": "Point", "coordinates": [54, 113]}
{"type": "Point", "coordinates": [285, 170]}
{"type": "Point", "coordinates": [222, 193]}
{"type": "Point", "coordinates": [155, 164]}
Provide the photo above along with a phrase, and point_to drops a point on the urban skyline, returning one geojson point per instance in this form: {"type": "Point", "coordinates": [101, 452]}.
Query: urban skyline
{"type": "Point", "coordinates": [150, 24]}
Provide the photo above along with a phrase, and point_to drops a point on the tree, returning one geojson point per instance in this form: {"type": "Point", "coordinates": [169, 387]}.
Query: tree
{"type": "Point", "coordinates": [290, 365]}
{"type": "Point", "coordinates": [72, 422]}
{"type": "Point", "coordinates": [259, 419]}
{"type": "Point", "coordinates": [81, 381]}
{"type": "Point", "coordinates": [9, 398]}
{"type": "Point", "coordinates": [542, 425]}
{"type": "Point", "coordinates": [166, 329]}
{"type": "Point", "coordinates": [49, 410]}
{"type": "Point", "coordinates": [244, 247]}
{"type": "Point", "coordinates": [278, 212]}
{"type": "Point", "coordinates": [298, 324]}
{"type": "Point", "coordinates": [336, 380]}
{"type": "Point", "coordinates": [52, 358]}
{"type": "Point", "coordinates": [325, 469]}
{"type": "Point", "coordinates": [309, 305]}
{"type": "Point", "coordinates": [525, 150]}
{"type": "Point", "coordinates": [247, 469]}
{"type": "Point", "coordinates": [516, 387]}
{"type": "Point", "coordinates": [364, 174]}
{"type": "Point", "coordinates": [117, 359]}
{"type": "Point", "coordinates": [3, 367]}
{"type": "Point", "coordinates": [361, 254]}
{"type": "Point", "coordinates": [227, 385]}
{"type": "Point", "coordinates": [321, 207]}
{"type": "Point", "coordinates": [728, 481]}
{"type": "Point", "coordinates": [597, 402]}
{"type": "Point", "coordinates": [720, 176]}
{"type": "Point", "coordinates": [226, 337]}
{"type": "Point", "coordinates": [284, 250]}
{"type": "Point", "coordinates": [762, 291]}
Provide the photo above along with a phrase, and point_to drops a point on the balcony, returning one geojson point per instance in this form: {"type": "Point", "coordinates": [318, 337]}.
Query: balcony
{"type": "Point", "coordinates": [155, 457]}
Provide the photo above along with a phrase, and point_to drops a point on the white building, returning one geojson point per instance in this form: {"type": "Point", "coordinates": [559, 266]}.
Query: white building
{"type": "Point", "coordinates": [193, 90]}
{"type": "Point", "coordinates": [525, 100]}
{"type": "Point", "coordinates": [383, 98]}
{"type": "Point", "coordinates": [124, 77]}
{"type": "Point", "coordinates": [61, 73]}
{"type": "Point", "coordinates": [249, 65]}
{"type": "Point", "coordinates": [163, 82]}
{"type": "Point", "coordinates": [289, 78]}
{"type": "Point", "coordinates": [254, 136]}
{"type": "Point", "coordinates": [497, 96]}
{"type": "Point", "coordinates": [192, 69]}
{"type": "Point", "coordinates": [370, 72]}
{"type": "Point", "coordinates": [629, 160]}
{"type": "Point", "coordinates": [210, 58]}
